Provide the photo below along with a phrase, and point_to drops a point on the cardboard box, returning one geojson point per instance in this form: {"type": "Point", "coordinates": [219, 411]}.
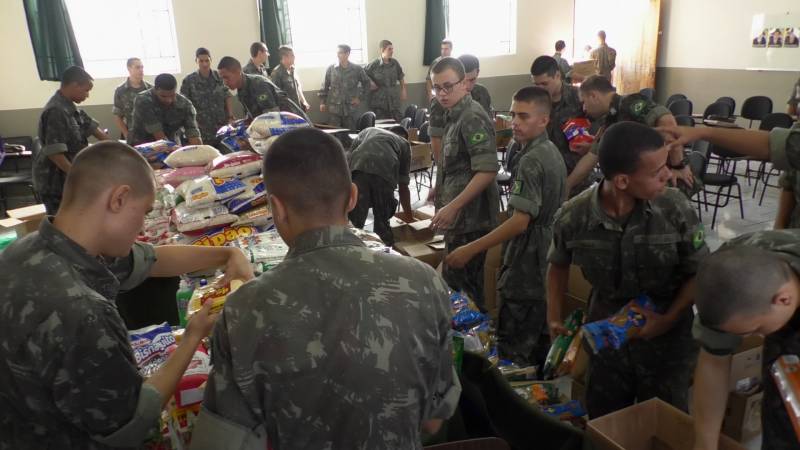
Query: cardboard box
{"type": "Point", "coordinates": [649, 425]}
{"type": "Point", "coordinates": [577, 286]}
{"type": "Point", "coordinates": [421, 156]}
{"type": "Point", "coordinates": [413, 134]}
{"type": "Point", "coordinates": [33, 212]}
{"type": "Point", "coordinates": [423, 251]}
{"type": "Point", "coordinates": [491, 270]}
{"type": "Point", "coordinates": [418, 231]}
{"type": "Point", "coordinates": [743, 415]}
{"type": "Point", "coordinates": [583, 69]}
{"type": "Point", "coordinates": [746, 364]}
{"type": "Point", "coordinates": [23, 220]}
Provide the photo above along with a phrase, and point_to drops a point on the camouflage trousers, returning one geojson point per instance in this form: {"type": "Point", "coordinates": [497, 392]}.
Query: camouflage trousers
{"type": "Point", "coordinates": [346, 120]}
{"type": "Point", "coordinates": [468, 279]}
{"type": "Point", "coordinates": [520, 328]}
{"type": "Point", "coordinates": [778, 433]}
{"type": "Point", "coordinates": [376, 193]}
{"type": "Point", "coordinates": [383, 113]}
{"type": "Point", "coordinates": [642, 369]}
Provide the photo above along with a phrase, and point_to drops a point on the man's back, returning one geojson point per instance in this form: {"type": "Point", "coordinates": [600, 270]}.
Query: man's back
{"type": "Point", "coordinates": [337, 347]}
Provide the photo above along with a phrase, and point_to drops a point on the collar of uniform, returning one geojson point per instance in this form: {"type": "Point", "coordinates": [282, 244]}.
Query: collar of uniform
{"type": "Point", "coordinates": [613, 110]}
{"type": "Point", "coordinates": [66, 103]}
{"type": "Point", "coordinates": [332, 236]}
{"type": "Point", "coordinates": [534, 142]}
{"type": "Point", "coordinates": [245, 81]}
{"type": "Point", "coordinates": [387, 62]}
{"type": "Point", "coordinates": [62, 245]}
{"type": "Point", "coordinates": [454, 113]}
{"type": "Point", "coordinates": [598, 215]}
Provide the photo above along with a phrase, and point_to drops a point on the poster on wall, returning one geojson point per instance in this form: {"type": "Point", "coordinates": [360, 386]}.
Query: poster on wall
{"type": "Point", "coordinates": [761, 39]}
{"type": "Point", "coordinates": [790, 38]}
{"type": "Point", "coordinates": [773, 42]}
{"type": "Point", "coordinates": [775, 38]}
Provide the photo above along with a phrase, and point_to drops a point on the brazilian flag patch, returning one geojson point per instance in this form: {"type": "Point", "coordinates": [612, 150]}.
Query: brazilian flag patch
{"type": "Point", "coordinates": [262, 97]}
{"type": "Point", "coordinates": [517, 189]}
{"type": "Point", "coordinates": [477, 137]}
{"type": "Point", "coordinates": [699, 237]}
{"type": "Point", "coordinates": [638, 108]}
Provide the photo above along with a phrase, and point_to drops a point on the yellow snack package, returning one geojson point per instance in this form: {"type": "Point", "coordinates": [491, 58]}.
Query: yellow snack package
{"type": "Point", "coordinates": [211, 292]}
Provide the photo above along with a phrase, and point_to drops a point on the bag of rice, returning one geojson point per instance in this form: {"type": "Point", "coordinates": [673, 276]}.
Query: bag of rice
{"type": "Point", "coordinates": [237, 164]}
{"type": "Point", "coordinates": [205, 190]}
{"type": "Point", "coordinates": [174, 177]}
{"type": "Point", "coordinates": [234, 136]}
{"type": "Point", "coordinates": [258, 217]}
{"type": "Point", "coordinates": [187, 219]}
{"type": "Point", "coordinates": [261, 146]}
{"type": "Point", "coordinates": [254, 195]}
{"type": "Point", "coordinates": [275, 123]}
{"type": "Point", "coordinates": [156, 152]}
{"type": "Point", "coordinates": [192, 155]}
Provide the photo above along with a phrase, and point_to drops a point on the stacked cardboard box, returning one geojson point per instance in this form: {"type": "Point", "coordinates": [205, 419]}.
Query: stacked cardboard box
{"type": "Point", "coordinates": [743, 413]}
{"type": "Point", "coordinates": [23, 220]}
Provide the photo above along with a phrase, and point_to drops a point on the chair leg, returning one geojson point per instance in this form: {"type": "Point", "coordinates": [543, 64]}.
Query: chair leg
{"type": "Point", "coordinates": [716, 207]}
{"type": "Point", "coordinates": [741, 204]}
{"type": "Point", "coordinates": [759, 175]}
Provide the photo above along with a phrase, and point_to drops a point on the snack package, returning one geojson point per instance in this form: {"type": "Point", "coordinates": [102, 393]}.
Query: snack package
{"type": "Point", "coordinates": [220, 237]}
{"type": "Point", "coordinates": [254, 195]}
{"type": "Point", "coordinates": [234, 136]}
{"type": "Point", "coordinates": [786, 373]}
{"type": "Point", "coordinates": [566, 411]}
{"type": "Point", "coordinates": [561, 344]}
{"type": "Point", "coordinates": [211, 292]}
{"type": "Point", "coordinates": [571, 355]}
{"type": "Point", "coordinates": [615, 331]}
{"type": "Point", "coordinates": [187, 219]}
{"type": "Point", "coordinates": [237, 164]}
{"type": "Point", "coordinates": [204, 191]}
{"type": "Point", "coordinates": [192, 384]}
{"type": "Point", "coordinates": [192, 155]}
{"type": "Point", "coordinates": [174, 177]}
{"type": "Point", "coordinates": [577, 132]}
{"type": "Point", "coordinates": [274, 124]}
{"type": "Point", "coordinates": [151, 347]}
{"type": "Point", "coordinates": [259, 217]}
{"type": "Point", "coordinates": [467, 318]}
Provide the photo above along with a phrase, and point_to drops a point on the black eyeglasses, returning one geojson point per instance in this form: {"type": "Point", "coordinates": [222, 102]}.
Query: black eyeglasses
{"type": "Point", "coordinates": [446, 88]}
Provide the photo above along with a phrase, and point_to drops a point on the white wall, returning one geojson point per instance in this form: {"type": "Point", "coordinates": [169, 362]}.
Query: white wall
{"type": "Point", "coordinates": [230, 31]}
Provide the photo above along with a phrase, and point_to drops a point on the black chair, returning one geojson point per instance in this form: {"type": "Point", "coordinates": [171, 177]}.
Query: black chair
{"type": "Point", "coordinates": [423, 132]}
{"type": "Point", "coordinates": [684, 120]}
{"type": "Point", "coordinates": [648, 92]}
{"type": "Point", "coordinates": [725, 179]}
{"type": "Point", "coordinates": [729, 100]}
{"type": "Point", "coordinates": [770, 121]}
{"type": "Point", "coordinates": [420, 117]}
{"type": "Point", "coordinates": [698, 161]}
{"type": "Point", "coordinates": [20, 179]}
{"type": "Point", "coordinates": [756, 108]}
{"type": "Point", "coordinates": [674, 97]}
{"type": "Point", "coordinates": [411, 111]}
{"type": "Point", "coordinates": [406, 122]}
{"type": "Point", "coordinates": [680, 107]}
{"type": "Point", "coordinates": [365, 121]}
{"type": "Point", "coordinates": [718, 110]}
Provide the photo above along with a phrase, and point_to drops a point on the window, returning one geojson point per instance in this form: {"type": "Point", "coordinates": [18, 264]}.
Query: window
{"type": "Point", "coordinates": [317, 27]}
{"type": "Point", "coordinates": [111, 31]}
{"type": "Point", "coordinates": [483, 27]}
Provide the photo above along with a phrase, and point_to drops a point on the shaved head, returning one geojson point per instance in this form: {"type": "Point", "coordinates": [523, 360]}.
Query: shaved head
{"type": "Point", "coordinates": [102, 166]}
{"type": "Point", "coordinates": [738, 281]}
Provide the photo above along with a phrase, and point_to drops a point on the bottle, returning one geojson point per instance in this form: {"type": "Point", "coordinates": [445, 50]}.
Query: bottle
{"type": "Point", "coordinates": [182, 297]}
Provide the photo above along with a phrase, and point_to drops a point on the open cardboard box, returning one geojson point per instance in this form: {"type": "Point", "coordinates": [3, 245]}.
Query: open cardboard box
{"type": "Point", "coordinates": [746, 363]}
{"type": "Point", "coordinates": [649, 425]}
{"type": "Point", "coordinates": [421, 156]}
{"type": "Point", "coordinates": [24, 220]}
{"type": "Point", "coordinates": [743, 415]}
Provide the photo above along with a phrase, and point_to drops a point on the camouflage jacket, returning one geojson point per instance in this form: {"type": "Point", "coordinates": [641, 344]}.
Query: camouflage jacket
{"type": "Point", "coordinates": [259, 95]}
{"type": "Point", "coordinates": [481, 95]}
{"type": "Point", "coordinates": [286, 80]}
{"type": "Point", "coordinates": [341, 86]}
{"type": "Point", "coordinates": [68, 378]}
{"type": "Point", "coordinates": [150, 116]}
{"type": "Point", "coordinates": [382, 153]}
{"type": "Point", "coordinates": [386, 76]}
{"type": "Point", "coordinates": [124, 95]}
{"type": "Point", "coordinates": [63, 128]}
{"type": "Point", "coordinates": [252, 69]}
{"type": "Point", "coordinates": [338, 347]}
{"type": "Point", "coordinates": [633, 108]}
{"type": "Point", "coordinates": [605, 59]}
{"type": "Point", "coordinates": [208, 95]}
{"type": "Point", "coordinates": [539, 189]}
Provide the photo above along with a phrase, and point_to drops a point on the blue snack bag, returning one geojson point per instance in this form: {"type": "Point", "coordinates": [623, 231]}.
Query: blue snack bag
{"type": "Point", "coordinates": [615, 331]}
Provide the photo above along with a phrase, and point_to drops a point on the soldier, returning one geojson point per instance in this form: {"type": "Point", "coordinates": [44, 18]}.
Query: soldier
{"type": "Point", "coordinates": [604, 106]}
{"type": "Point", "coordinates": [466, 195]}
{"type": "Point", "coordinates": [386, 73]}
{"type": "Point", "coordinates": [605, 57]}
{"type": "Point", "coordinates": [284, 75]}
{"type": "Point", "coordinates": [161, 113]}
{"type": "Point", "coordinates": [125, 94]}
{"type": "Point", "coordinates": [258, 60]}
{"type": "Point", "coordinates": [563, 65]}
{"type": "Point", "coordinates": [380, 160]}
{"type": "Point", "coordinates": [539, 189]}
{"type": "Point", "coordinates": [788, 215]}
{"type": "Point", "coordinates": [212, 100]}
{"type": "Point", "coordinates": [356, 356]}
{"type": "Point", "coordinates": [631, 236]}
{"type": "Point", "coordinates": [340, 95]}
{"type": "Point", "coordinates": [478, 92]}
{"type": "Point", "coordinates": [445, 51]}
{"type": "Point", "coordinates": [63, 131]}
{"type": "Point", "coordinates": [751, 285]}
{"type": "Point", "coordinates": [68, 377]}
{"type": "Point", "coordinates": [566, 106]}
{"type": "Point", "coordinates": [794, 99]}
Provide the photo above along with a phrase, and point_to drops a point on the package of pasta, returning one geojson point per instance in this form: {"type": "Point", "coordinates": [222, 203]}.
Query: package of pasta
{"type": "Point", "coordinates": [156, 152]}
{"type": "Point", "coordinates": [254, 195]}
{"type": "Point", "coordinates": [213, 292]}
{"type": "Point", "coordinates": [618, 329]}
{"type": "Point", "coordinates": [192, 155]}
{"type": "Point", "coordinates": [204, 191]}
{"type": "Point", "coordinates": [221, 237]}
{"type": "Point", "coordinates": [151, 347]}
{"type": "Point", "coordinates": [786, 373]}
{"type": "Point", "coordinates": [237, 164]}
{"type": "Point", "coordinates": [187, 219]}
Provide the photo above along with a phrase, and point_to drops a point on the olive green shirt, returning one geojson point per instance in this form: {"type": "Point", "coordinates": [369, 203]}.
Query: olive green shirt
{"type": "Point", "coordinates": [380, 152]}
{"type": "Point", "coordinates": [150, 117]}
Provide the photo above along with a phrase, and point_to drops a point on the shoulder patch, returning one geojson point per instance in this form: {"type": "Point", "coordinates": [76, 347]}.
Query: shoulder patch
{"type": "Point", "coordinates": [478, 137]}
{"type": "Point", "coordinates": [517, 189]}
{"type": "Point", "coordinates": [638, 108]}
{"type": "Point", "coordinates": [699, 237]}
{"type": "Point", "coordinates": [262, 97]}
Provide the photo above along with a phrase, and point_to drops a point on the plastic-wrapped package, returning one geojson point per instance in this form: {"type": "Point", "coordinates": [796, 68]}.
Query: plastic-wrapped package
{"type": "Point", "coordinates": [261, 146]}
{"type": "Point", "coordinates": [786, 373]}
{"type": "Point", "coordinates": [274, 124]}
{"type": "Point", "coordinates": [187, 219]}
{"type": "Point", "coordinates": [259, 217]}
{"type": "Point", "coordinates": [237, 164]}
{"type": "Point", "coordinates": [156, 152]}
{"type": "Point", "coordinates": [151, 347]}
{"type": "Point", "coordinates": [577, 132]}
{"type": "Point", "coordinates": [174, 177]}
{"type": "Point", "coordinates": [615, 331]}
{"type": "Point", "coordinates": [254, 195]}
{"type": "Point", "coordinates": [234, 136]}
{"type": "Point", "coordinates": [211, 292]}
{"type": "Point", "coordinates": [561, 344]}
{"type": "Point", "coordinates": [205, 190]}
{"type": "Point", "coordinates": [223, 236]}
{"type": "Point", "coordinates": [192, 155]}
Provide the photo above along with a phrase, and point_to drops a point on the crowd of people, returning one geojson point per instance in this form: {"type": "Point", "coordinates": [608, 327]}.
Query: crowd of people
{"type": "Point", "coordinates": [342, 347]}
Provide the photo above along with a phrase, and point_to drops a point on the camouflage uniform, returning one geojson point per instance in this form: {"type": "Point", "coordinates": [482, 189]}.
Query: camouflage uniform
{"type": "Point", "coordinates": [569, 107]}
{"type": "Point", "coordinates": [794, 98]}
{"type": "Point", "coordinates": [253, 69]}
{"type": "Point", "coordinates": [429, 76]}
{"type": "Point", "coordinates": [355, 356]}
{"type": "Point", "coordinates": [150, 116]}
{"type": "Point", "coordinates": [380, 160]}
{"type": "Point", "coordinates": [63, 128]}
{"type": "Point", "coordinates": [286, 80]}
{"type": "Point", "coordinates": [339, 89]}
{"type": "Point", "coordinates": [259, 95]}
{"type": "Point", "coordinates": [468, 147]}
{"type": "Point", "coordinates": [563, 65]}
{"type": "Point", "coordinates": [605, 60]}
{"type": "Point", "coordinates": [208, 96]}
{"type": "Point", "coordinates": [68, 378]}
{"type": "Point", "coordinates": [385, 101]}
{"type": "Point", "coordinates": [654, 253]}
{"type": "Point", "coordinates": [481, 95]}
{"type": "Point", "coordinates": [539, 189]}
{"type": "Point", "coordinates": [124, 96]}
{"type": "Point", "coordinates": [778, 433]}
{"type": "Point", "coordinates": [789, 181]}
